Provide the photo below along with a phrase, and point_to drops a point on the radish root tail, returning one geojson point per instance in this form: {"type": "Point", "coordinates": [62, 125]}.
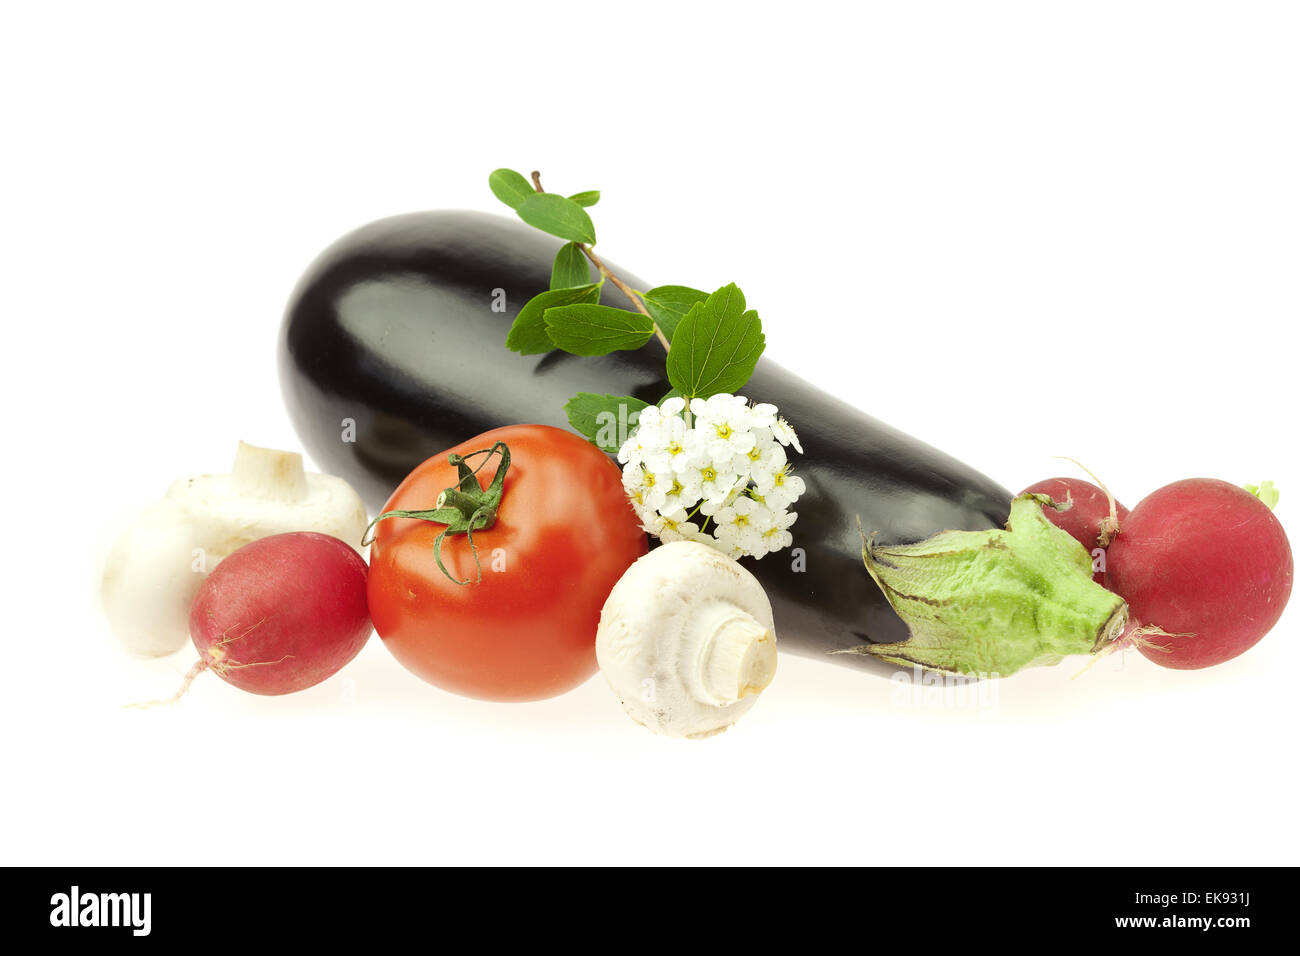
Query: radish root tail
{"type": "Point", "coordinates": [1134, 637]}
{"type": "Point", "coordinates": [1141, 637]}
{"type": "Point", "coordinates": [199, 667]}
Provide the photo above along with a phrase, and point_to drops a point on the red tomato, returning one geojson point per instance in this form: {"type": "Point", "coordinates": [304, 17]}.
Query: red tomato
{"type": "Point", "coordinates": [564, 534]}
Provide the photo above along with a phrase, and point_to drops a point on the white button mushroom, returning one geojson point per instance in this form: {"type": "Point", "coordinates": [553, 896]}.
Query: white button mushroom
{"type": "Point", "coordinates": [686, 640]}
{"type": "Point", "coordinates": [156, 566]}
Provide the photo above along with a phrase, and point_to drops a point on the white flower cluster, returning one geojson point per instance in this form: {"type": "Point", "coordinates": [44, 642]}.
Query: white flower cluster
{"type": "Point", "coordinates": [716, 473]}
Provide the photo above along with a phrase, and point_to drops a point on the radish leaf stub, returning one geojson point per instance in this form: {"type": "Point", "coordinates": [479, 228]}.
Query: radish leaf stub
{"type": "Point", "coordinates": [1266, 492]}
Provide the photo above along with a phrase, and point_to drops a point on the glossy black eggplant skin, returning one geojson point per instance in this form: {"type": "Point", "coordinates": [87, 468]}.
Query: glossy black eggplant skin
{"type": "Point", "coordinates": [391, 340]}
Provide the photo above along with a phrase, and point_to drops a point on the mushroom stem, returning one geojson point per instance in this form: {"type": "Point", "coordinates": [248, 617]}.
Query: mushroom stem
{"type": "Point", "coordinates": [269, 474]}
{"type": "Point", "coordinates": [736, 654]}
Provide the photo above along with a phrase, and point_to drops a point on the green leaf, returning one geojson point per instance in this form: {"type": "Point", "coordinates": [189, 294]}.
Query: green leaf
{"type": "Point", "coordinates": [561, 217]}
{"type": "Point", "coordinates": [597, 329]}
{"type": "Point", "coordinates": [570, 269]}
{"type": "Point", "coordinates": [716, 345]}
{"type": "Point", "coordinates": [510, 187]}
{"type": "Point", "coordinates": [605, 420]}
{"type": "Point", "coordinates": [528, 335]}
{"type": "Point", "coordinates": [669, 305]}
{"type": "Point", "coordinates": [589, 198]}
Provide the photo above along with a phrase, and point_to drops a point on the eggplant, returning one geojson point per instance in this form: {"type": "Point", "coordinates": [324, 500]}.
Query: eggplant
{"type": "Point", "coordinates": [393, 348]}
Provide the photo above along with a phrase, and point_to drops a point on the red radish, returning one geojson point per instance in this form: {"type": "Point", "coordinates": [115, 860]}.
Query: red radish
{"type": "Point", "coordinates": [1088, 518]}
{"type": "Point", "coordinates": [1206, 566]}
{"type": "Point", "coordinates": [282, 613]}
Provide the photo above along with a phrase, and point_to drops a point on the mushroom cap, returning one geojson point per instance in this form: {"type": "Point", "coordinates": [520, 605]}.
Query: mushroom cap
{"type": "Point", "coordinates": [686, 640]}
{"type": "Point", "coordinates": [149, 582]}
{"type": "Point", "coordinates": [227, 517]}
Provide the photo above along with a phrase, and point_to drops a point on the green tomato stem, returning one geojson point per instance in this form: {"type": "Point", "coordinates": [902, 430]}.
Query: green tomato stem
{"type": "Point", "coordinates": [464, 508]}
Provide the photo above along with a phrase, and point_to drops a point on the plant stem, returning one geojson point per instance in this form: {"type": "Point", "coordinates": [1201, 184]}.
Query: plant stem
{"type": "Point", "coordinates": [632, 295]}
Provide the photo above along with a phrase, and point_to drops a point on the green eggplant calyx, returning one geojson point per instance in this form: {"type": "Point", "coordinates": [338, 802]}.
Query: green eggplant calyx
{"type": "Point", "coordinates": [989, 603]}
{"type": "Point", "coordinates": [464, 508]}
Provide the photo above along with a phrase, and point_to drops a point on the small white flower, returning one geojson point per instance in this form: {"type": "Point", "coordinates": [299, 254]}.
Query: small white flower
{"type": "Point", "coordinates": [715, 482]}
{"type": "Point", "coordinates": [672, 526]}
{"type": "Point", "coordinates": [627, 451]}
{"type": "Point", "coordinates": [742, 522]}
{"type": "Point", "coordinates": [722, 413]}
{"type": "Point", "coordinates": [732, 451]}
{"type": "Point", "coordinates": [781, 489]}
{"type": "Point", "coordinates": [764, 414]}
{"type": "Point", "coordinates": [765, 459]}
{"type": "Point", "coordinates": [642, 442]}
{"type": "Point", "coordinates": [783, 433]}
{"type": "Point", "coordinates": [669, 452]}
{"type": "Point", "coordinates": [778, 536]}
{"type": "Point", "coordinates": [648, 488]}
{"type": "Point", "coordinates": [720, 407]}
{"type": "Point", "coordinates": [673, 407]}
{"type": "Point", "coordinates": [683, 493]}
{"type": "Point", "coordinates": [649, 416]}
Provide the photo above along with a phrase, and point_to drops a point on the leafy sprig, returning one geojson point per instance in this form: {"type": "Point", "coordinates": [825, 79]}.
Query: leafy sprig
{"type": "Point", "coordinates": [712, 341]}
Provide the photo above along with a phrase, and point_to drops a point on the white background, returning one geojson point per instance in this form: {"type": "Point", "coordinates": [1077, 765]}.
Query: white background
{"type": "Point", "coordinates": [1075, 225]}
